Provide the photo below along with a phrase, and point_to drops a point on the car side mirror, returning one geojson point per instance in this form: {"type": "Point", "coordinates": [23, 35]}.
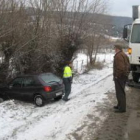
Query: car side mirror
{"type": "Point", "coordinates": [125, 35]}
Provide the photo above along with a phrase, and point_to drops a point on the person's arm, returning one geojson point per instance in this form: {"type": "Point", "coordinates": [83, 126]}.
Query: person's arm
{"type": "Point", "coordinates": [70, 79]}
{"type": "Point", "coordinates": [120, 66]}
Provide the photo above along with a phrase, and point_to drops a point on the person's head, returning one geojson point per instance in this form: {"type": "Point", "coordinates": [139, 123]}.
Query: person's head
{"type": "Point", "coordinates": [118, 48]}
{"type": "Point", "coordinates": [69, 63]}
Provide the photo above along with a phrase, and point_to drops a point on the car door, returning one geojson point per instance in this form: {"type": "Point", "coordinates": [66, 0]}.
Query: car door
{"type": "Point", "coordinates": [29, 88]}
{"type": "Point", "coordinates": [15, 88]}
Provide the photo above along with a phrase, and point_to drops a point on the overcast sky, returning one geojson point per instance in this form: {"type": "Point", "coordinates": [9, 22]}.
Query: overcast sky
{"type": "Point", "coordinates": [122, 7]}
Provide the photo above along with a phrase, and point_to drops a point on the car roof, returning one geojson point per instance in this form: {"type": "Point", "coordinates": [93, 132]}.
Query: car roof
{"type": "Point", "coordinates": [32, 75]}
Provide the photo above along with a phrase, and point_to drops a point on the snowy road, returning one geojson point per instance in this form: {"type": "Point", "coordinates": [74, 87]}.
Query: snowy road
{"type": "Point", "coordinates": [56, 120]}
{"type": "Point", "coordinates": [109, 125]}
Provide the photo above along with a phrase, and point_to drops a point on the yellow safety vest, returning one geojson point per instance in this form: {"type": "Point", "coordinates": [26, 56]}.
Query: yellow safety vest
{"type": "Point", "coordinates": [67, 72]}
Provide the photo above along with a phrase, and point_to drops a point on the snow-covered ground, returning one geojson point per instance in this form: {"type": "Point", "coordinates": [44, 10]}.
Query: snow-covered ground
{"type": "Point", "coordinates": [81, 61]}
{"type": "Point", "coordinates": [54, 121]}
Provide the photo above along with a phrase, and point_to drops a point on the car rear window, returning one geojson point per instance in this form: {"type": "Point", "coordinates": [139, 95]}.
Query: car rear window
{"type": "Point", "coordinates": [49, 78]}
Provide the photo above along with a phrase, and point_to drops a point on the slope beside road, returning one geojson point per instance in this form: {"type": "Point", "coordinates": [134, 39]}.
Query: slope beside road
{"type": "Point", "coordinates": [54, 121]}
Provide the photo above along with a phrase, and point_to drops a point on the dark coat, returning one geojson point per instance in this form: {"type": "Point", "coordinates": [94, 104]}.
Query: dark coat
{"type": "Point", "coordinates": [121, 65]}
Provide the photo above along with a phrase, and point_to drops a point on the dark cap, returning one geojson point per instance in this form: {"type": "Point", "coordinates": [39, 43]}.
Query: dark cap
{"type": "Point", "coordinates": [68, 62]}
{"type": "Point", "coordinates": [118, 46]}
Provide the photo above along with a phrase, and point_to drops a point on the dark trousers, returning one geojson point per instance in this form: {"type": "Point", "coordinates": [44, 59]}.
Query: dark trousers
{"type": "Point", "coordinates": [67, 84]}
{"type": "Point", "coordinates": [120, 92]}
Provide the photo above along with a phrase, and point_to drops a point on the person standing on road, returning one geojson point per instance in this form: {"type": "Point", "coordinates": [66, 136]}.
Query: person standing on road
{"type": "Point", "coordinates": [121, 67]}
{"type": "Point", "coordinates": [67, 80]}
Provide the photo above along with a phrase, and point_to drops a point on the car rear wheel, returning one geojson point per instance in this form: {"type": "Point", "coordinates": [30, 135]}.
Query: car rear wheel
{"type": "Point", "coordinates": [1, 100]}
{"type": "Point", "coordinates": [38, 100]}
{"type": "Point", "coordinates": [58, 98]}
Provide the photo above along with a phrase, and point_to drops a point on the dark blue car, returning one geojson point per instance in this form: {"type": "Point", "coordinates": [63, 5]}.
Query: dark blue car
{"type": "Point", "coordinates": [37, 88]}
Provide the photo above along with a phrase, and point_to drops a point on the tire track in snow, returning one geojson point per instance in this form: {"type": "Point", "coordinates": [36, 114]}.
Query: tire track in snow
{"type": "Point", "coordinates": [93, 84]}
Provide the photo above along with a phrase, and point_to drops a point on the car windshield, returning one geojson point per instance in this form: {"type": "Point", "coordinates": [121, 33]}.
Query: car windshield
{"type": "Point", "coordinates": [49, 78]}
{"type": "Point", "coordinates": [135, 38]}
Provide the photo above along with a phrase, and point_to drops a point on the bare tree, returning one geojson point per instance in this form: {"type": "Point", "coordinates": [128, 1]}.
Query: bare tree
{"type": "Point", "coordinates": [40, 35]}
{"type": "Point", "coordinates": [96, 31]}
{"type": "Point", "coordinates": [12, 19]}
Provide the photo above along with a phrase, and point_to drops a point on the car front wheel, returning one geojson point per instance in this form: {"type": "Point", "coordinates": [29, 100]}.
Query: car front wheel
{"type": "Point", "coordinates": [38, 100]}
